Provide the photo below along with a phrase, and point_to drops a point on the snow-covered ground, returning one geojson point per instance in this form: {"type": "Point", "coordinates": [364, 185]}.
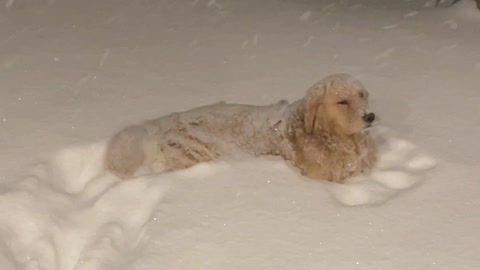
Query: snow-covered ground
{"type": "Point", "coordinates": [73, 72]}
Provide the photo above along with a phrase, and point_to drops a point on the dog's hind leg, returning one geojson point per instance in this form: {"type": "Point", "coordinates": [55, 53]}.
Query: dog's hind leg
{"type": "Point", "coordinates": [125, 152]}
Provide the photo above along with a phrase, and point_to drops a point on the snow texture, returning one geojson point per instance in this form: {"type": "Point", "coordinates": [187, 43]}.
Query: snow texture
{"type": "Point", "coordinates": [72, 214]}
{"type": "Point", "coordinates": [91, 222]}
{"type": "Point", "coordinates": [74, 72]}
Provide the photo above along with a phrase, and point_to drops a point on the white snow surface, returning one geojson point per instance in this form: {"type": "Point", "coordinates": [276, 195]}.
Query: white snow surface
{"type": "Point", "coordinates": [73, 72]}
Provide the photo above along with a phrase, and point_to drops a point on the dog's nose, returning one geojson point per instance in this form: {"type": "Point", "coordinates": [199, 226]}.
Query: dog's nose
{"type": "Point", "coordinates": [369, 117]}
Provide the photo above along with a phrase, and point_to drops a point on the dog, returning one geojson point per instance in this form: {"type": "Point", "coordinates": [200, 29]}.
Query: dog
{"type": "Point", "coordinates": [325, 135]}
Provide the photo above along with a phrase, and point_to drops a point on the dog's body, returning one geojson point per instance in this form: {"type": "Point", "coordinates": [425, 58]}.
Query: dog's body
{"type": "Point", "coordinates": [296, 132]}
{"type": "Point", "coordinates": [183, 139]}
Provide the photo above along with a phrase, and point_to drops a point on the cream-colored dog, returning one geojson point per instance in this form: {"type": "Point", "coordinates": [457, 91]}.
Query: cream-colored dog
{"type": "Point", "coordinates": [325, 134]}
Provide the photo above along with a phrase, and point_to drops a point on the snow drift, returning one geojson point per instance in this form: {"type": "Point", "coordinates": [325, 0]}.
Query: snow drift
{"type": "Point", "coordinates": [71, 214]}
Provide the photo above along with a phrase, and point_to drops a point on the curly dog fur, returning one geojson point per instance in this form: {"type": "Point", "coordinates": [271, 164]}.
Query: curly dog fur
{"type": "Point", "coordinates": [325, 135]}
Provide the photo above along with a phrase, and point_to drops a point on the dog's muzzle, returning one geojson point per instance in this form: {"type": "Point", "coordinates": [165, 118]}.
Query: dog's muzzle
{"type": "Point", "coordinates": [369, 118]}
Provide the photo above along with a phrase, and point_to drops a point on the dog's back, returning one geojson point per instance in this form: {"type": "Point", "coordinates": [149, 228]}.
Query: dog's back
{"type": "Point", "coordinates": [183, 139]}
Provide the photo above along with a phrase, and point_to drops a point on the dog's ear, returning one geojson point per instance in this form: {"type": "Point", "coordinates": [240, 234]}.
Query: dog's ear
{"type": "Point", "coordinates": [312, 106]}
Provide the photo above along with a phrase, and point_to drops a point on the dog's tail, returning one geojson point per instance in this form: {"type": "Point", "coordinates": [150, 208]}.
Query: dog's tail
{"type": "Point", "coordinates": [125, 152]}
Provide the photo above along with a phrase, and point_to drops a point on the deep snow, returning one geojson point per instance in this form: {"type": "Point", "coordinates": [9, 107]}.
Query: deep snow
{"type": "Point", "coordinates": [73, 72]}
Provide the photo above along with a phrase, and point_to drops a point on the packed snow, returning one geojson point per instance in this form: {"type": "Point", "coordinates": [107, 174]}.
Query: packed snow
{"type": "Point", "coordinates": [74, 72]}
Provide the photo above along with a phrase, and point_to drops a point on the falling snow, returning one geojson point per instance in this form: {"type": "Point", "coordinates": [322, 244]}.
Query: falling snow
{"type": "Point", "coordinates": [390, 26]}
{"type": "Point", "coordinates": [385, 53]}
{"type": "Point", "coordinates": [410, 14]}
{"type": "Point", "coordinates": [104, 57]}
{"type": "Point", "coordinates": [452, 24]}
{"type": "Point", "coordinates": [74, 72]}
{"type": "Point", "coordinates": [309, 40]}
{"type": "Point", "coordinates": [9, 3]}
{"type": "Point", "coordinates": [305, 16]}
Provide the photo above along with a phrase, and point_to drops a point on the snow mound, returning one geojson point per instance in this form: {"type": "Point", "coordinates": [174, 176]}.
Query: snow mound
{"type": "Point", "coordinates": [98, 226]}
{"type": "Point", "coordinates": [401, 165]}
{"type": "Point", "coordinates": [70, 214]}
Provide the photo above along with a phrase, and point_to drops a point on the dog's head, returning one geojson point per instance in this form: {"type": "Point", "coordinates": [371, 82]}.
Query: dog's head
{"type": "Point", "coordinates": [338, 104]}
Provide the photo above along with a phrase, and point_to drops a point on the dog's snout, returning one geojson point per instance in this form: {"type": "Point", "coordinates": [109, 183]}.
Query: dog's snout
{"type": "Point", "coordinates": [369, 117]}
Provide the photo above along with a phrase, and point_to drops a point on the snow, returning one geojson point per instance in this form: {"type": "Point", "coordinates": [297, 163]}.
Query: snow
{"type": "Point", "coordinates": [74, 72]}
{"type": "Point", "coordinates": [43, 228]}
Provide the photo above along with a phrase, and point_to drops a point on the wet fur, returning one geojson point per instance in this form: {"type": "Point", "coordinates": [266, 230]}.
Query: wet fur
{"type": "Point", "coordinates": [324, 139]}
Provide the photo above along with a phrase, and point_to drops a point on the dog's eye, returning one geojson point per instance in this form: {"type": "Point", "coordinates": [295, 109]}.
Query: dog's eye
{"type": "Point", "coordinates": [363, 94]}
{"type": "Point", "coordinates": [343, 102]}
